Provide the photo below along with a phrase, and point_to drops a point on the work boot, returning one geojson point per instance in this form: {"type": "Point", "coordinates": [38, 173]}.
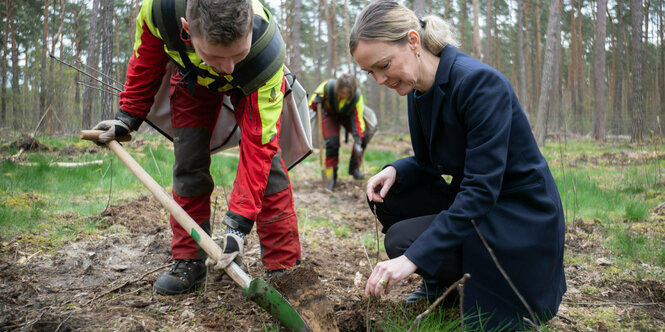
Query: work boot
{"type": "Point", "coordinates": [272, 273]}
{"type": "Point", "coordinates": [332, 181]}
{"type": "Point", "coordinates": [357, 174]}
{"type": "Point", "coordinates": [429, 290]}
{"type": "Point", "coordinates": [181, 278]}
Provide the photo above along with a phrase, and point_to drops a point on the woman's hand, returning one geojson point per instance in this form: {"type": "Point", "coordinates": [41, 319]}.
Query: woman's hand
{"type": "Point", "coordinates": [385, 179]}
{"type": "Point", "coordinates": [387, 274]}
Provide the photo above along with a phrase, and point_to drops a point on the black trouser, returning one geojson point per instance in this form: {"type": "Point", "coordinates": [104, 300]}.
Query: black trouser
{"type": "Point", "coordinates": [405, 214]}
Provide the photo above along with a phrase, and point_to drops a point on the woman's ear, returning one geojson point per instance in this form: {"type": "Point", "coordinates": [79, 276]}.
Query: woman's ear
{"type": "Point", "coordinates": [413, 39]}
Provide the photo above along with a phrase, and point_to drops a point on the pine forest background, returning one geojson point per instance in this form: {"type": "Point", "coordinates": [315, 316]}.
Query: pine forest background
{"type": "Point", "coordinates": [579, 67]}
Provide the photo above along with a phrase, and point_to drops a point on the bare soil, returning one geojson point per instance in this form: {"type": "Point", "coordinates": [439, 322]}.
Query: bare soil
{"type": "Point", "coordinates": [104, 281]}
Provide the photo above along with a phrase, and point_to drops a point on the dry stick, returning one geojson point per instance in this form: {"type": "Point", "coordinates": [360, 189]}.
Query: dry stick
{"type": "Point", "coordinates": [376, 236]}
{"type": "Point", "coordinates": [599, 304]}
{"type": "Point", "coordinates": [505, 276]}
{"type": "Point", "coordinates": [108, 202]}
{"type": "Point", "coordinates": [460, 290]}
{"type": "Point", "coordinates": [98, 88]}
{"type": "Point", "coordinates": [127, 283]}
{"type": "Point", "coordinates": [157, 167]}
{"type": "Point", "coordinates": [60, 325]}
{"type": "Point", "coordinates": [86, 74]}
{"type": "Point", "coordinates": [443, 296]}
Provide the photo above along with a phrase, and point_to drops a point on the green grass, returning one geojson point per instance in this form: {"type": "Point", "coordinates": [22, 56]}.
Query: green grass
{"type": "Point", "coordinates": [35, 196]}
{"type": "Point", "coordinates": [616, 193]}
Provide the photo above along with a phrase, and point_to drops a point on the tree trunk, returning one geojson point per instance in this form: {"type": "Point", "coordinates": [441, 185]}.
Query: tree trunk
{"type": "Point", "coordinates": [89, 94]}
{"type": "Point", "coordinates": [419, 8]}
{"type": "Point", "coordinates": [662, 59]}
{"type": "Point", "coordinates": [636, 72]}
{"type": "Point", "coordinates": [487, 52]}
{"type": "Point", "coordinates": [42, 70]}
{"type": "Point", "coordinates": [77, 58]}
{"type": "Point", "coordinates": [520, 55]}
{"type": "Point", "coordinates": [599, 72]}
{"type": "Point", "coordinates": [3, 92]}
{"type": "Point", "coordinates": [462, 25]}
{"type": "Point", "coordinates": [296, 62]}
{"type": "Point", "coordinates": [617, 102]}
{"type": "Point", "coordinates": [107, 56]}
{"type": "Point", "coordinates": [347, 33]}
{"type": "Point", "coordinates": [476, 30]}
{"type": "Point", "coordinates": [331, 24]}
{"type": "Point", "coordinates": [16, 91]}
{"type": "Point", "coordinates": [548, 65]}
{"type": "Point", "coordinates": [448, 13]}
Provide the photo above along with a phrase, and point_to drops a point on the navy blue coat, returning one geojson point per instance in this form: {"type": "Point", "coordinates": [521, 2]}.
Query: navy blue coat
{"type": "Point", "coordinates": [469, 125]}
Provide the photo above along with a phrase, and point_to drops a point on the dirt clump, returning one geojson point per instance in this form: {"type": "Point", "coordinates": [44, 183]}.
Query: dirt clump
{"type": "Point", "coordinates": [302, 288]}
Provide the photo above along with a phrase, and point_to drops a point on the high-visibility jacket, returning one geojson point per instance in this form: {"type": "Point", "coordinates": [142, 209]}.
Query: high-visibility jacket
{"type": "Point", "coordinates": [151, 54]}
{"type": "Point", "coordinates": [350, 108]}
{"type": "Point", "coordinates": [148, 65]}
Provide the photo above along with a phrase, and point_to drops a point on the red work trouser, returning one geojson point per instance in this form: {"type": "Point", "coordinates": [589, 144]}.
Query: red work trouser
{"type": "Point", "coordinates": [193, 118]}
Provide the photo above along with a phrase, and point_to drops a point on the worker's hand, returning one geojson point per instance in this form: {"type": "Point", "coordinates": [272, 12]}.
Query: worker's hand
{"type": "Point", "coordinates": [232, 250]}
{"type": "Point", "coordinates": [387, 274]}
{"type": "Point", "coordinates": [112, 129]}
{"type": "Point", "coordinates": [378, 185]}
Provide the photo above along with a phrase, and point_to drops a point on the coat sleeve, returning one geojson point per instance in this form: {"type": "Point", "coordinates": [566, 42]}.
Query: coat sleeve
{"type": "Point", "coordinates": [146, 67]}
{"type": "Point", "coordinates": [483, 102]}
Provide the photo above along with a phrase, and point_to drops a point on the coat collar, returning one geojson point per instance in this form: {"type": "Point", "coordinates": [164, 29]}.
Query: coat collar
{"type": "Point", "coordinates": [447, 58]}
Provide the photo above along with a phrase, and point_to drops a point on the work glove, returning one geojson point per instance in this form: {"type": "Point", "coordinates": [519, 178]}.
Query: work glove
{"type": "Point", "coordinates": [112, 129]}
{"type": "Point", "coordinates": [122, 125]}
{"type": "Point", "coordinates": [233, 248]}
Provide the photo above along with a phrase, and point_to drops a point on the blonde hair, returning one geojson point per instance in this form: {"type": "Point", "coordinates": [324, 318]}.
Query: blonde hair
{"type": "Point", "coordinates": [346, 81]}
{"type": "Point", "coordinates": [220, 22]}
{"type": "Point", "coordinates": [389, 21]}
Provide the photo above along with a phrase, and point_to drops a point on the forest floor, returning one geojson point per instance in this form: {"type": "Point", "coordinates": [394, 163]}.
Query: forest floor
{"type": "Point", "coordinates": [104, 281]}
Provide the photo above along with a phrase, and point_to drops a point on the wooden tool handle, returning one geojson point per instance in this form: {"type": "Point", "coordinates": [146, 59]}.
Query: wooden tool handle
{"type": "Point", "coordinates": [93, 135]}
{"type": "Point", "coordinates": [198, 234]}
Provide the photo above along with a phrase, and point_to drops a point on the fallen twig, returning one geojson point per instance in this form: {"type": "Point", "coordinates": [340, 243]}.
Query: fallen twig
{"type": "Point", "coordinates": [127, 283]}
{"type": "Point", "coordinates": [64, 164]}
{"type": "Point", "coordinates": [600, 304]}
{"type": "Point", "coordinates": [505, 276]}
{"type": "Point", "coordinates": [438, 300]}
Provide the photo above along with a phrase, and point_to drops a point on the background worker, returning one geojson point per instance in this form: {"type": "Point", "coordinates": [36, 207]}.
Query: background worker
{"type": "Point", "coordinates": [213, 46]}
{"type": "Point", "coordinates": [465, 121]}
{"type": "Point", "coordinates": [342, 105]}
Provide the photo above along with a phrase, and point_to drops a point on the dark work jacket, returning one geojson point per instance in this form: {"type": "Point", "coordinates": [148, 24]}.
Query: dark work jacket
{"type": "Point", "coordinates": [470, 126]}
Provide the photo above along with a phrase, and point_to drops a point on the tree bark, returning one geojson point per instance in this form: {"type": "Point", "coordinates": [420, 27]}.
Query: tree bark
{"type": "Point", "coordinates": [296, 62]}
{"type": "Point", "coordinates": [89, 94]}
{"type": "Point", "coordinates": [331, 24]}
{"type": "Point", "coordinates": [599, 72]}
{"type": "Point", "coordinates": [16, 91]}
{"type": "Point", "coordinates": [77, 58]}
{"type": "Point", "coordinates": [619, 53]}
{"type": "Point", "coordinates": [661, 34]}
{"type": "Point", "coordinates": [3, 92]}
{"type": "Point", "coordinates": [462, 25]}
{"type": "Point", "coordinates": [107, 56]}
{"type": "Point", "coordinates": [487, 52]}
{"type": "Point", "coordinates": [347, 37]}
{"type": "Point", "coordinates": [548, 65]}
{"type": "Point", "coordinates": [636, 99]}
{"type": "Point", "coordinates": [42, 70]}
{"type": "Point", "coordinates": [476, 30]}
{"type": "Point", "coordinates": [520, 55]}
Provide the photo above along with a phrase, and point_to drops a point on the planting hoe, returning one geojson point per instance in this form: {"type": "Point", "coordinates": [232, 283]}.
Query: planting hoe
{"type": "Point", "coordinates": [256, 290]}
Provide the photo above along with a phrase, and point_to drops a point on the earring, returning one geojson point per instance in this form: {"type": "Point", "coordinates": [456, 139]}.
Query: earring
{"type": "Point", "coordinates": [418, 54]}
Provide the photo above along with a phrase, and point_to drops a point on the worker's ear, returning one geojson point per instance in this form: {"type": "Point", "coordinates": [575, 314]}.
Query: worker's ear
{"type": "Point", "coordinates": [185, 25]}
